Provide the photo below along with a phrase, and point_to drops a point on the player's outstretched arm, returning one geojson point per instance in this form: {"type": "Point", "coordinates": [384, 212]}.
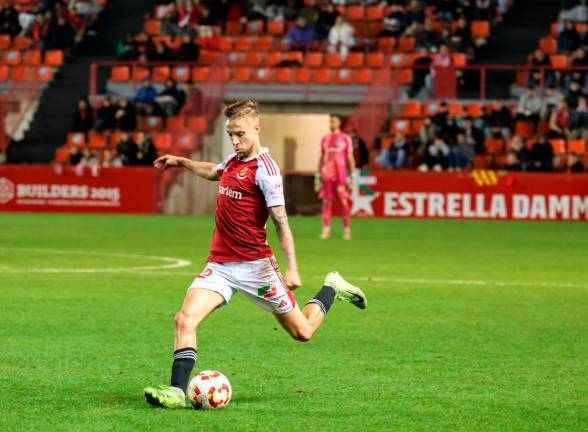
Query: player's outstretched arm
{"type": "Point", "coordinates": [206, 170]}
{"type": "Point", "coordinates": [280, 219]}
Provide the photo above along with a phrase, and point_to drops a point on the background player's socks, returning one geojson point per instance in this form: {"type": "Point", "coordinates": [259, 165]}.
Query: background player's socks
{"type": "Point", "coordinates": [184, 360]}
{"type": "Point", "coordinates": [324, 298]}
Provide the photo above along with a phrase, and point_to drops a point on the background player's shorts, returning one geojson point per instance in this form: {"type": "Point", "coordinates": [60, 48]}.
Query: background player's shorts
{"type": "Point", "coordinates": [333, 189]}
{"type": "Point", "coordinates": [259, 280]}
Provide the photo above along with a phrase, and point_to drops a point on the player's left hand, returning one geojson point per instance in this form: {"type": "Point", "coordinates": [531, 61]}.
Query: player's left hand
{"type": "Point", "coordinates": [292, 279]}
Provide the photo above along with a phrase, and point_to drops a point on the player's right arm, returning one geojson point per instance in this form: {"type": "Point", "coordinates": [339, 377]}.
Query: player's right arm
{"type": "Point", "coordinates": [206, 170]}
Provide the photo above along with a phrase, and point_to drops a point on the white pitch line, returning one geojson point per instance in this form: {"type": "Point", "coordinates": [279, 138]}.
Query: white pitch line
{"type": "Point", "coordinates": [171, 262]}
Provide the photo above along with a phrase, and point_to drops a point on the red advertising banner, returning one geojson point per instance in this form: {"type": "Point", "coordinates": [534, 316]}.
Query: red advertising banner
{"type": "Point", "coordinates": [480, 194]}
{"type": "Point", "coordinates": [43, 188]}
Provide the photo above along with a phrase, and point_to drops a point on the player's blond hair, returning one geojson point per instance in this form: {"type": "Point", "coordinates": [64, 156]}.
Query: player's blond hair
{"type": "Point", "coordinates": [242, 108]}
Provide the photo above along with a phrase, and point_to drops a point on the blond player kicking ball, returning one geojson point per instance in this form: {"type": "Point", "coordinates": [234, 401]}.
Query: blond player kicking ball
{"type": "Point", "coordinates": [240, 259]}
{"type": "Point", "coordinates": [335, 176]}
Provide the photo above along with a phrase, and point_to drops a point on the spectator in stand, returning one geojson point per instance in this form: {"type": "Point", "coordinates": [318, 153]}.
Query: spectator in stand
{"type": "Point", "coordinates": [426, 137]}
{"type": "Point", "coordinates": [440, 117]}
{"type": "Point", "coordinates": [87, 9]}
{"type": "Point", "coordinates": [106, 116]}
{"type": "Point", "coordinates": [540, 59]}
{"type": "Point", "coordinates": [574, 94]}
{"type": "Point", "coordinates": [60, 35]}
{"type": "Point", "coordinates": [75, 156]}
{"type": "Point", "coordinates": [170, 22]}
{"type": "Point", "coordinates": [326, 20]}
{"type": "Point", "coordinates": [290, 9]}
{"type": "Point", "coordinates": [436, 157]}
{"type": "Point", "coordinates": [461, 39]}
{"type": "Point", "coordinates": [448, 132]}
{"type": "Point", "coordinates": [442, 59]}
{"type": "Point", "coordinates": [83, 120]}
{"type": "Point", "coordinates": [393, 24]}
{"type": "Point", "coordinates": [473, 136]}
{"type": "Point", "coordinates": [171, 99]}
{"type": "Point", "coordinates": [568, 39]}
{"type": "Point", "coordinates": [414, 15]}
{"type": "Point", "coordinates": [485, 10]}
{"type": "Point", "coordinates": [578, 125]}
{"type": "Point", "coordinates": [499, 121]}
{"type": "Point", "coordinates": [394, 156]}
{"type": "Point", "coordinates": [579, 59]}
{"type": "Point", "coordinates": [188, 50]}
{"type": "Point", "coordinates": [144, 98]}
{"type": "Point", "coordinates": [426, 36]}
{"type": "Point", "coordinates": [462, 154]}
{"type": "Point", "coordinates": [446, 9]}
{"type": "Point", "coordinates": [146, 153]}
{"type": "Point", "coordinates": [420, 70]}
{"type": "Point", "coordinates": [559, 121]}
{"type": "Point", "coordinates": [310, 11]}
{"type": "Point", "coordinates": [161, 53]}
{"type": "Point", "coordinates": [542, 155]}
{"type": "Point", "coordinates": [341, 37]}
{"type": "Point", "coordinates": [574, 164]}
{"type": "Point", "coordinates": [9, 20]}
{"type": "Point", "coordinates": [127, 149]}
{"type": "Point", "coordinates": [144, 45]}
{"type": "Point", "coordinates": [188, 17]}
{"type": "Point", "coordinates": [551, 99]}
{"type": "Point", "coordinates": [126, 49]}
{"type": "Point", "coordinates": [207, 18]}
{"type": "Point", "coordinates": [126, 119]}
{"type": "Point", "coordinates": [110, 159]}
{"type": "Point", "coordinates": [517, 157]}
{"type": "Point", "coordinates": [301, 35]}
{"type": "Point", "coordinates": [530, 106]}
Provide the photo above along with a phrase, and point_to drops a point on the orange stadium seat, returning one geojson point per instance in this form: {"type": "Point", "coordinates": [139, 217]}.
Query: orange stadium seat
{"type": "Point", "coordinates": [355, 12]}
{"type": "Point", "coordinates": [295, 56]}
{"type": "Point", "coordinates": [548, 45]}
{"type": "Point", "coordinates": [459, 60]}
{"type": "Point", "coordinates": [273, 58]}
{"type": "Point", "coordinates": [264, 43]}
{"type": "Point", "coordinates": [242, 74]}
{"type": "Point", "coordinates": [23, 73]}
{"type": "Point", "coordinates": [480, 29]}
{"type": "Point", "coordinates": [343, 76]}
{"type": "Point", "coordinates": [400, 125]}
{"type": "Point", "coordinates": [254, 58]}
{"type": "Point", "coordinates": [54, 58]}
{"type": "Point", "coordinates": [140, 73]}
{"type": "Point", "coordinates": [44, 73]}
{"type": "Point", "coordinates": [97, 140]}
{"type": "Point", "coordinates": [375, 60]}
{"type": "Point", "coordinates": [386, 142]}
{"type": "Point", "coordinates": [475, 109]}
{"type": "Point", "coordinates": [322, 76]}
{"type": "Point", "coordinates": [302, 75]}
{"type": "Point", "coordinates": [386, 44]}
{"type": "Point", "coordinates": [415, 126]}
{"type": "Point", "coordinates": [233, 28]}
{"type": "Point", "coordinates": [176, 123]}
{"type": "Point", "coordinates": [456, 109]}
{"type": "Point", "coordinates": [560, 61]}
{"type": "Point", "coordinates": [354, 60]}
{"type": "Point", "coordinates": [405, 76]}
{"type": "Point", "coordinates": [243, 43]}
{"type": "Point", "coordinates": [76, 139]}
{"type": "Point", "coordinates": [254, 27]}
{"type": "Point", "coordinates": [22, 43]}
{"type": "Point", "coordinates": [225, 43]}
{"type": "Point", "coordinates": [553, 29]}
{"type": "Point", "coordinates": [363, 76]}
{"type": "Point", "coordinates": [197, 124]}
{"type": "Point", "coordinates": [181, 73]}
{"type": "Point", "coordinates": [184, 140]}
{"type": "Point", "coordinates": [283, 75]}
{"type": "Point", "coordinates": [524, 128]}
{"type": "Point", "coordinates": [411, 109]}
{"type": "Point", "coordinates": [162, 141]}
{"type": "Point", "coordinates": [61, 154]}
{"type": "Point", "coordinates": [262, 75]}
{"type": "Point", "coordinates": [276, 28]}
{"type": "Point", "coordinates": [313, 59]}
{"type": "Point", "coordinates": [494, 145]}
{"type": "Point", "coordinates": [374, 28]}
{"type": "Point", "coordinates": [430, 108]}
{"type": "Point", "coordinates": [200, 73]}
{"type": "Point", "coordinates": [32, 58]}
{"type": "Point", "coordinates": [5, 42]}
{"type": "Point", "coordinates": [374, 13]}
{"type": "Point", "coordinates": [152, 27]}
{"type": "Point", "coordinates": [160, 74]}
{"type": "Point", "coordinates": [152, 124]}
{"type": "Point", "coordinates": [12, 57]}
{"type": "Point", "coordinates": [577, 146]}
{"type": "Point", "coordinates": [236, 59]}
{"type": "Point", "coordinates": [333, 60]}
{"type": "Point", "coordinates": [120, 73]}
{"type": "Point", "coordinates": [4, 72]}
{"type": "Point", "coordinates": [558, 146]}
{"type": "Point", "coordinates": [406, 44]}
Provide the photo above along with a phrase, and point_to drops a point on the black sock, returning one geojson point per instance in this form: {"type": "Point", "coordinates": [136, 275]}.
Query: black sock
{"type": "Point", "coordinates": [324, 298]}
{"type": "Point", "coordinates": [184, 361]}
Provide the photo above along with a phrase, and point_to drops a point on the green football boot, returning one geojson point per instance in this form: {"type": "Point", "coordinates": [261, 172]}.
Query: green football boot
{"type": "Point", "coordinates": [165, 396]}
{"type": "Point", "coordinates": [345, 291]}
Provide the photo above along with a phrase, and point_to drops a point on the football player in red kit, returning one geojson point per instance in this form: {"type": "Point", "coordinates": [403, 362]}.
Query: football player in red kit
{"type": "Point", "coordinates": [240, 259]}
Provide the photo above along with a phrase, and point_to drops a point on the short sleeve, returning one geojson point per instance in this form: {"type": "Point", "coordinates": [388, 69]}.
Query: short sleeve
{"type": "Point", "coordinates": [269, 180]}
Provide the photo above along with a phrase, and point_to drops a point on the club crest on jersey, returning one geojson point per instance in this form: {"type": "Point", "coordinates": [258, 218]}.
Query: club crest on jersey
{"type": "Point", "coordinates": [241, 175]}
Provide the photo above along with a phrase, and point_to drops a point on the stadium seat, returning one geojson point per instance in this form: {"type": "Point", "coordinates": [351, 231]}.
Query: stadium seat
{"type": "Point", "coordinates": [559, 61]}
{"type": "Point", "coordinates": [386, 142]}
{"type": "Point", "coordinates": [152, 27]}
{"type": "Point", "coordinates": [184, 141]}
{"type": "Point", "coordinates": [405, 76]}
{"type": "Point", "coordinates": [276, 28]}
{"type": "Point", "coordinates": [400, 125]}
{"type": "Point", "coordinates": [242, 74]}
{"type": "Point", "coordinates": [76, 139]}
{"type": "Point", "coordinates": [322, 76]}
{"type": "Point", "coordinates": [5, 42]}
{"type": "Point", "coordinates": [160, 74]}
{"type": "Point", "coordinates": [61, 154]}
{"type": "Point", "coordinates": [44, 73]}
{"type": "Point", "coordinates": [54, 58]}
{"type": "Point", "coordinates": [4, 73]}
{"type": "Point", "coordinates": [558, 146]}
{"type": "Point", "coordinates": [524, 128]}
{"type": "Point", "coordinates": [233, 28]}
{"type": "Point", "coordinates": [459, 60]}
{"type": "Point", "coordinates": [243, 43]}
{"type": "Point", "coordinates": [302, 75]}
{"type": "Point", "coordinates": [343, 76]}
{"type": "Point", "coordinates": [415, 126]}
{"type": "Point", "coordinates": [313, 59]}
{"type": "Point", "coordinates": [197, 124]}
{"type": "Point", "coordinates": [363, 76]}
{"type": "Point", "coordinates": [23, 73]}
{"type": "Point", "coordinates": [577, 146]}
{"type": "Point", "coordinates": [333, 60]}
{"type": "Point", "coordinates": [355, 12]}
{"type": "Point", "coordinates": [354, 60]}
{"type": "Point", "coordinates": [386, 44]}
{"type": "Point", "coordinates": [176, 123]}
{"type": "Point", "coordinates": [32, 58]}
{"type": "Point", "coordinates": [553, 29]}
{"type": "Point", "coordinates": [456, 109]}
{"type": "Point", "coordinates": [140, 73]}
{"type": "Point", "coordinates": [11, 57]}
{"type": "Point", "coordinates": [262, 75]}
{"type": "Point", "coordinates": [374, 13]}
{"type": "Point", "coordinates": [225, 43]}
{"type": "Point", "coordinates": [375, 60]}
{"type": "Point", "coordinates": [162, 141]}
{"type": "Point", "coordinates": [374, 28]}
{"type": "Point", "coordinates": [411, 109]}
{"type": "Point", "coordinates": [254, 59]}
{"type": "Point", "coordinates": [264, 43]}
{"type": "Point", "coordinates": [430, 108]}
{"type": "Point", "coordinates": [22, 43]}
{"type": "Point", "coordinates": [283, 75]}
{"type": "Point", "coordinates": [548, 45]}
{"type": "Point", "coordinates": [480, 29]}
{"type": "Point", "coordinates": [494, 145]}
{"type": "Point", "coordinates": [181, 73]}
{"type": "Point", "coordinates": [406, 44]}
{"type": "Point", "coordinates": [397, 60]}
{"type": "Point", "coordinates": [237, 59]}
{"type": "Point", "coordinates": [475, 109]}
{"type": "Point", "coordinates": [152, 124]}
{"type": "Point", "coordinates": [293, 56]}
{"type": "Point", "coordinates": [254, 27]}
{"type": "Point", "coordinates": [273, 58]}
{"type": "Point", "coordinates": [96, 140]}
{"type": "Point", "coordinates": [209, 57]}
{"type": "Point", "coordinates": [200, 73]}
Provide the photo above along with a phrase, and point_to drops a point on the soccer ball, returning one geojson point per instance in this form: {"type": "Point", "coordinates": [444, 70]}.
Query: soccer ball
{"type": "Point", "coordinates": [209, 390]}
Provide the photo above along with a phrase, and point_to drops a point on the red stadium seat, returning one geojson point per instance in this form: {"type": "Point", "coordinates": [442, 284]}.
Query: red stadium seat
{"type": "Point", "coordinates": [242, 74]}
{"type": "Point", "coordinates": [44, 73]}
{"type": "Point", "coordinates": [430, 108]}
{"type": "Point", "coordinates": [243, 43]}
{"type": "Point", "coordinates": [32, 58]}
{"type": "Point", "coordinates": [374, 13]}
{"type": "Point", "coordinates": [333, 60]}
{"type": "Point", "coordinates": [140, 73]}
{"type": "Point", "coordinates": [375, 60]}
{"type": "Point", "coordinates": [264, 43]}
{"type": "Point", "coordinates": [5, 42]}
{"type": "Point", "coordinates": [406, 44]}
{"type": "Point", "coordinates": [548, 45]}
{"type": "Point", "coordinates": [559, 61]}
{"type": "Point", "coordinates": [405, 76]}
{"type": "Point", "coordinates": [343, 76]}
{"type": "Point", "coordinates": [162, 141]}
{"type": "Point", "coordinates": [23, 73]}
{"type": "Point", "coordinates": [456, 109]}
{"type": "Point", "coordinates": [524, 129]}
{"type": "Point", "coordinates": [184, 141]}
{"type": "Point", "coordinates": [254, 27]}
{"type": "Point", "coordinates": [313, 59]}
{"type": "Point", "coordinates": [96, 140]}
{"type": "Point", "coordinates": [459, 60]}
{"type": "Point", "coordinates": [76, 139]}
{"type": "Point", "coordinates": [61, 154]}
{"type": "Point", "coordinates": [160, 74]}
{"type": "Point", "coordinates": [273, 58]}
{"type": "Point", "coordinates": [152, 124]}
{"type": "Point", "coordinates": [262, 75]}
{"type": "Point", "coordinates": [493, 145]}
{"type": "Point", "coordinates": [11, 57]}
{"type": "Point", "coordinates": [400, 125]}
{"type": "Point", "coordinates": [200, 73]}
{"type": "Point", "coordinates": [398, 60]}
{"type": "Point", "coordinates": [411, 109]}
{"type": "Point", "coordinates": [355, 12]}
{"type": "Point", "coordinates": [480, 29]}
{"type": "Point", "coordinates": [276, 28]}
{"type": "Point", "coordinates": [415, 126]}
{"type": "Point", "coordinates": [152, 27]}
{"type": "Point", "coordinates": [302, 75]}
{"type": "Point", "coordinates": [354, 60]}
{"type": "Point", "coordinates": [322, 76]}
{"type": "Point", "coordinates": [577, 146]}
{"type": "Point", "coordinates": [181, 73]}
{"type": "Point", "coordinates": [4, 73]}
{"type": "Point", "coordinates": [54, 58]}
{"type": "Point", "coordinates": [233, 28]}
{"type": "Point", "coordinates": [558, 146]}
{"type": "Point", "coordinates": [475, 109]}
{"type": "Point", "coordinates": [363, 76]}
{"type": "Point", "coordinates": [176, 123]}
{"type": "Point", "coordinates": [253, 59]}
{"type": "Point", "coordinates": [386, 44]}
{"type": "Point", "coordinates": [283, 75]}
{"type": "Point", "coordinates": [197, 124]}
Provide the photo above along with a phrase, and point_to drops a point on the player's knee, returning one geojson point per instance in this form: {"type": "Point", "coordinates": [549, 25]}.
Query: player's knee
{"type": "Point", "coordinates": [302, 335]}
{"type": "Point", "coordinates": [185, 321]}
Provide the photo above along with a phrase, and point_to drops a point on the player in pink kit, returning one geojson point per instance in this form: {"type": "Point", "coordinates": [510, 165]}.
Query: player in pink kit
{"type": "Point", "coordinates": [335, 177]}
{"type": "Point", "coordinates": [240, 259]}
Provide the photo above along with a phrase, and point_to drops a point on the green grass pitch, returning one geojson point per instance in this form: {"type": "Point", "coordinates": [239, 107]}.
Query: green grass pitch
{"type": "Point", "coordinates": [470, 326]}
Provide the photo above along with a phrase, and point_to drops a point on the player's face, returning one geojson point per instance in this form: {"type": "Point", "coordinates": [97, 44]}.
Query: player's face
{"type": "Point", "coordinates": [334, 123]}
{"type": "Point", "coordinates": [244, 135]}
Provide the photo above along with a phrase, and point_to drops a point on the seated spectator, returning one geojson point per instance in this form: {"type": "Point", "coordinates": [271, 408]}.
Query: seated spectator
{"type": "Point", "coordinates": [461, 39]}
{"type": "Point", "coordinates": [341, 37]}
{"type": "Point", "coordinates": [540, 59]}
{"type": "Point", "coordinates": [394, 156]}
{"type": "Point", "coordinates": [462, 154]}
{"type": "Point", "coordinates": [568, 39]}
{"type": "Point", "coordinates": [482, 121]}
{"type": "Point", "coordinates": [301, 35]}
{"type": "Point", "coordinates": [75, 156]}
{"type": "Point", "coordinates": [161, 53]}
{"type": "Point", "coordinates": [83, 120]}
{"type": "Point", "coordinates": [9, 20]}
{"type": "Point", "coordinates": [126, 49]}
{"type": "Point", "coordinates": [310, 12]}
{"type": "Point", "coordinates": [393, 24]}
{"type": "Point", "coordinates": [188, 51]}
{"type": "Point", "coordinates": [414, 15]}
{"type": "Point", "coordinates": [446, 9]}
{"type": "Point", "coordinates": [485, 10]}
{"type": "Point", "coordinates": [440, 117]}
{"type": "Point", "coordinates": [420, 70]}
{"type": "Point", "coordinates": [60, 35]}
{"type": "Point", "coordinates": [499, 121]}
{"type": "Point", "coordinates": [574, 93]}
{"type": "Point", "coordinates": [326, 20]}
{"type": "Point", "coordinates": [530, 105]}
{"type": "Point", "coordinates": [426, 36]}
{"type": "Point", "coordinates": [105, 116]}
{"type": "Point", "coordinates": [171, 99]}
{"type": "Point", "coordinates": [448, 131]}
{"type": "Point", "coordinates": [188, 17]}
{"type": "Point", "coordinates": [579, 59]}
{"type": "Point", "coordinates": [473, 136]}
{"type": "Point", "coordinates": [436, 157]}
{"type": "Point", "coordinates": [578, 125]}
{"type": "Point", "coordinates": [541, 155]}
{"type": "Point", "coordinates": [170, 22]}
{"type": "Point", "coordinates": [574, 164]}
{"type": "Point", "coordinates": [207, 18]}
{"type": "Point", "coordinates": [518, 157]}
{"type": "Point", "coordinates": [127, 149]}
{"type": "Point", "coordinates": [147, 153]}
{"type": "Point", "coordinates": [551, 99]}
{"type": "Point", "coordinates": [110, 159]}
{"type": "Point", "coordinates": [144, 98]}
{"type": "Point", "coordinates": [559, 121]}
{"type": "Point", "coordinates": [426, 137]}
{"type": "Point", "coordinates": [126, 118]}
